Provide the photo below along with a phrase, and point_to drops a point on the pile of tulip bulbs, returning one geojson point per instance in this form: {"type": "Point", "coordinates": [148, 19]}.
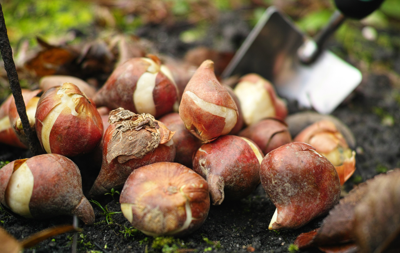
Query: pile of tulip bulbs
{"type": "Point", "coordinates": [173, 152]}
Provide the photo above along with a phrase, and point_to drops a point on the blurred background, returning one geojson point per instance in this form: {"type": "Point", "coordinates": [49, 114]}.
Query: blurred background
{"type": "Point", "coordinates": [173, 27]}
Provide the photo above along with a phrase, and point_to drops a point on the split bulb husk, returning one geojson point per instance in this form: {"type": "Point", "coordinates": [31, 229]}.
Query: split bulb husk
{"type": "Point", "coordinates": [141, 85]}
{"type": "Point", "coordinates": [131, 141]}
{"type": "Point", "coordinates": [329, 142]}
{"type": "Point", "coordinates": [31, 100]}
{"type": "Point", "coordinates": [300, 182]}
{"type": "Point", "coordinates": [7, 134]}
{"type": "Point", "coordinates": [67, 122]}
{"type": "Point", "coordinates": [259, 100]}
{"type": "Point", "coordinates": [44, 186]}
{"type": "Point", "coordinates": [48, 82]}
{"type": "Point", "coordinates": [207, 109]}
{"type": "Point", "coordinates": [165, 198]}
{"type": "Point", "coordinates": [231, 166]}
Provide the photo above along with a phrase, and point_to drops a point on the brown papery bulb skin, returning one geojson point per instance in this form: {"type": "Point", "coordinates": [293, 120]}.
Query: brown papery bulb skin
{"type": "Point", "coordinates": [207, 109]}
{"type": "Point", "coordinates": [164, 198]}
{"type": "Point", "coordinates": [67, 122]}
{"type": "Point", "coordinates": [186, 143]}
{"type": "Point", "coordinates": [48, 82]}
{"type": "Point", "coordinates": [44, 186]}
{"type": "Point", "coordinates": [31, 100]}
{"type": "Point", "coordinates": [131, 141]}
{"type": "Point", "coordinates": [329, 142]}
{"type": "Point", "coordinates": [300, 182]}
{"type": "Point", "coordinates": [141, 85]}
{"type": "Point", "coordinates": [231, 166]}
{"type": "Point", "coordinates": [268, 134]}
{"type": "Point", "coordinates": [259, 100]}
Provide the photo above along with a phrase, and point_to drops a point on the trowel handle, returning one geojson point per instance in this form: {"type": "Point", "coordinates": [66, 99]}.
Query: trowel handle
{"type": "Point", "coordinates": [357, 9]}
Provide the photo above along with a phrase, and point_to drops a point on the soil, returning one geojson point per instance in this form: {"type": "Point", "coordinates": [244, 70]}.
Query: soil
{"type": "Point", "coordinates": [371, 112]}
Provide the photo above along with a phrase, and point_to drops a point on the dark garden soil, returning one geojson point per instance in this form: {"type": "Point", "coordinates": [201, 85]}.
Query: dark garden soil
{"type": "Point", "coordinates": [371, 112]}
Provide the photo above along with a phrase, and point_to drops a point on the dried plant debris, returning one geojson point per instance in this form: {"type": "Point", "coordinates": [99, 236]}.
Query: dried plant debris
{"type": "Point", "coordinates": [128, 142]}
{"type": "Point", "coordinates": [51, 59]}
{"type": "Point", "coordinates": [10, 245]}
{"type": "Point", "coordinates": [367, 218]}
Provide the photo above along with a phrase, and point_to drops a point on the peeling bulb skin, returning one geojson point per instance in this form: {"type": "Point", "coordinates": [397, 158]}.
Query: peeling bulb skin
{"type": "Point", "coordinates": [301, 183]}
{"type": "Point", "coordinates": [328, 141]}
{"type": "Point", "coordinates": [231, 167]}
{"type": "Point", "coordinates": [31, 101]}
{"type": "Point", "coordinates": [207, 109]}
{"type": "Point", "coordinates": [67, 122]}
{"type": "Point", "coordinates": [140, 86]}
{"type": "Point", "coordinates": [131, 141]}
{"type": "Point", "coordinates": [48, 82]}
{"type": "Point", "coordinates": [7, 134]}
{"type": "Point", "coordinates": [56, 188]}
{"type": "Point", "coordinates": [258, 99]}
{"type": "Point", "coordinates": [164, 199]}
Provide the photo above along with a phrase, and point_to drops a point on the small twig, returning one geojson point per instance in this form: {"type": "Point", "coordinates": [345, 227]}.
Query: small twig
{"type": "Point", "coordinates": [6, 52]}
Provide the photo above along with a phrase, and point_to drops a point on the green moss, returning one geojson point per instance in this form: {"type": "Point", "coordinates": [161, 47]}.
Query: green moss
{"type": "Point", "coordinates": [167, 244]}
{"type": "Point", "coordinates": [28, 18]}
{"type": "Point", "coordinates": [357, 179]}
{"type": "Point", "coordinates": [313, 22]}
{"type": "Point", "coordinates": [386, 118]}
{"type": "Point", "coordinates": [129, 231]}
{"type": "Point", "coordinates": [3, 163]}
{"type": "Point", "coordinates": [381, 169]}
{"type": "Point", "coordinates": [293, 248]}
{"type": "Point", "coordinates": [216, 244]}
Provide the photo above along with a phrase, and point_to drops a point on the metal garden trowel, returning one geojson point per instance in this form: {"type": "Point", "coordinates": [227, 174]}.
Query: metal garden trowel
{"type": "Point", "coordinates": [298, 66]}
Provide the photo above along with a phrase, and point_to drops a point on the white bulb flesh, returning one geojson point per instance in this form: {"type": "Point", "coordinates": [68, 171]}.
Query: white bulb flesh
{"type": "Point", "coordinates": [273, 220]}
{"type": "Point", "coordinates": [127, 211]}
{"type": "Point", "coordinates": [143, 95]}
{"type": "Point", "coordinates": [255, 101]}
{"type": "Point", "coordinates": [228, 114]}
{"type": "Point", "coordinates": [153, 68]}
{"type": "Point", "coordinates": [4, 123]}
{"type": "Point", "coordinates": [255, 150]}
{"type": "Point", "coordinates": [19, 191]}
{"type": "Point", "coordinates": [66, 101]}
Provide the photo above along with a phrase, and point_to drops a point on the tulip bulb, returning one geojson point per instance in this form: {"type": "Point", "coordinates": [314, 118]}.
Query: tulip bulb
{"type": "Point", "coordinates": [329, 142]}
{"type": "Point", "coordinates": [165, 199]}
{"type": "Point", "coordinates": [141, 85]}
{"type": "Point", "coordinates": [258, 99]}
{"type": "Point", "coordinates": [207, 109]}
{"type": "Point", "coordinates": [131, 141]}
{"type": "Point", "coordinates": [31, 100]}
{"type": "Point", "coordinates": [67, 122]}
{"type": "Point", "coordinates": [300, 182]}
{"type": "Point", "coordinates": [268, 134]}
{"type": "Point", "coordinates": [44, 186]}
{"type": "Point", "coordinates": [231, 166]}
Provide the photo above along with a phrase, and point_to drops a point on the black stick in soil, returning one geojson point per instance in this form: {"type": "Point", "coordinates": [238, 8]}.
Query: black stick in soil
{"type": "Point", "coordinates": [6, 52]}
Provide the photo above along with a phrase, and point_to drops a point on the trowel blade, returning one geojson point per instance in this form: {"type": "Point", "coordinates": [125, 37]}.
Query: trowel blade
{"type": "Point", "coordinates": [270, 50]}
